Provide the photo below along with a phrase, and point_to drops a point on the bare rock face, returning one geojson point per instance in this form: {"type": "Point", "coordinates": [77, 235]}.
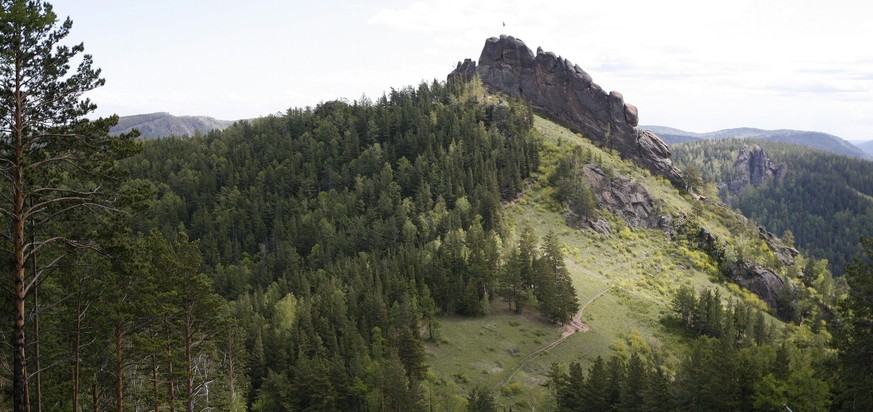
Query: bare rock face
{"type": "Point", "coordinates": [600, 226]}
{"type": "Point", "coordinates": [626, 199]}
{"type": "Point", "coordinates": [465, 70]}
{"type": "Point", "coordinates": [754, 168]}
{"type": "Point", "coordinates": [761, 281]}
{"type": "Point", "coordinates": [567, 94]}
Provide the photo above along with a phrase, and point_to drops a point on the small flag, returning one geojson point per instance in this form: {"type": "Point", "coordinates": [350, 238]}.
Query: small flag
{"type": "Point", "coordinates": [504, 24]}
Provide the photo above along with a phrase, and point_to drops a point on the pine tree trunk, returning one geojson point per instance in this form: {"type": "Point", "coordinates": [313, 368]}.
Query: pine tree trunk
{"type": "Point", "coordinates": [94, 395]}
{"type": "Point", "coordinates": [171, 389]}
{"type": "Point", "coordinates": [77, 350]}
{"type": "Point", "coordinates": [36, 325]}
{"type": "Point", "coordinates": [155, 384]}
{"type": "Point", "coordinates": [20, 401]}
{"type": "Point", "coordinates": [20, 398]}
{"type": "Point", "coordinates": [119, 367]}
{"type": "Point", "coordinates": [189, 364]}
{"type": "Point", "coordinates": [36, 340]}
{"type": "Point", "coordinates": [231, 373]}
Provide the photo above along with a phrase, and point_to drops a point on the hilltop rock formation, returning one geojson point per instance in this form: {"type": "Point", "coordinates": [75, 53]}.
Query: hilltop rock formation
{"type": "Point", "coordinates": [753, 168]}
{"type": "Point", "coordinates": [566, 93]}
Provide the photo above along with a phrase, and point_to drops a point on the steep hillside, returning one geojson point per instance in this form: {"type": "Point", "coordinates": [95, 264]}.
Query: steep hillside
{"type": "Point", "coordinates": [626, 277]}
{"type": "Point", "coordinates": [825, 200]}
{"type": "Point", "coordinates": [156, 125]}
{"type": "Point", "coordinates": [818, 140]}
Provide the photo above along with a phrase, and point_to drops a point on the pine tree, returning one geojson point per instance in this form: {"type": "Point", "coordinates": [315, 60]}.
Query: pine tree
{"type": "Point", "coordinates": [594, 392]}
{"type": "Point", "coordinates": [616, 373]}
{"type": "Point", "coordinates": [429, 313]}
{"type": "Point", "coordinates": [50, 155]}
{"type": "Point", "coordinates": [572, 391]}
{"type": "Point", "coordinates": [656, 394]}
{"type": "Point", "coordinates": [480, 400]}
{"type": "Point", "coordinates": [632, 393]}
{"type": "Point", "coordinates": [512, 289]}
{"type": "Point", "coordinates": [854, 334]}
{"type": "Point", "coordinates": [527, 256]}
{"type": "Point", "coordinates": [693, 179]}
{"type": "Point", "coordinates": [557, 294]}
{"type": "Point", "coordinates": [683, 304]}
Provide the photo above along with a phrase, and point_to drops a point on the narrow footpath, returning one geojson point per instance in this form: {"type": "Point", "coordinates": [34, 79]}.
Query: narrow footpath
{"type": "Point", "coordinates": [575, 325]}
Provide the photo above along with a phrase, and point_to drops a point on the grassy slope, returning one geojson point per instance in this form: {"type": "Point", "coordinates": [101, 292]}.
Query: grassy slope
{"type": "Point", "coordinates": [640, 269]}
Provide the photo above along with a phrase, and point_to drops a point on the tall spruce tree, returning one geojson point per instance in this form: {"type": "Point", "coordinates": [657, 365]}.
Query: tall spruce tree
{"type": "Point", "coordinates": [53, 161]}
{"type": "Point", "coordinates": [558, 296]}
{"type": "Point", "coordinates": [854, 334]}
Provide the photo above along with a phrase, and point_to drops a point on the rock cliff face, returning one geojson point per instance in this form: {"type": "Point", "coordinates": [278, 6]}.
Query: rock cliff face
{"type": "Point", "coordinates": [566, 93]}
{"type": "Point", "coordinates": [753, 168]}
{"type": "Point", "coordinates": [760, 280]}
{"type": "Point", "coordinates": [624, 198]}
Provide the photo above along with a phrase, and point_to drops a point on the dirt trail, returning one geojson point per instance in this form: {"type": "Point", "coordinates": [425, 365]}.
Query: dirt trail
{"type": "Point", "coordinates": [575, 325]}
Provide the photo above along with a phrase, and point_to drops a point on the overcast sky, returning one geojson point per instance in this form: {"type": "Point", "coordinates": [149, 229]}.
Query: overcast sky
{"type": "Point", "coordinates": [694, 65]}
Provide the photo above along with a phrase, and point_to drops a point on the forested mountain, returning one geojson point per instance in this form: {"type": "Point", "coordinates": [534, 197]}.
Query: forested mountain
{"type": "Point", "coordinates": [155, 125]}
{"type": "Point", "coordinates": [359, 221]}
{"type": "Point", "coordinates": [825, 200]}
{"type": "Point", "coordinates": [438, 248]}
{"type": "Point", "coordinates": [818, 140]}
{"type": "Point", "coordinates": [341, 258]}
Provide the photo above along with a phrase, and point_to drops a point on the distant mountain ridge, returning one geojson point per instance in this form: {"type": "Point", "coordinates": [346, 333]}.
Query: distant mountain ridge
{"type": "Point", "coordinates": [155, 125]}
{"type": "Point", "coordinates": [867, 147]}
{"type": "Point", "coordinates": [818, 140]}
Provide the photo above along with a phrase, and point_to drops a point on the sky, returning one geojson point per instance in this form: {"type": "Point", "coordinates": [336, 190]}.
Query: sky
{"type": "Point", "coordinates": [694, 65]}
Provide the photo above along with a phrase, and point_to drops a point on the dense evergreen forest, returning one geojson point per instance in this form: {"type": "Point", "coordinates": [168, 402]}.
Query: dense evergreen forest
{"type": "Point", "coordinates": [338, 230]}
{"type": "Point", "coordinates": [825, 201]}
{"type": "Point", "coordinates": [301, 261]}
{"type": "Point", "coordinates": [286, 263]}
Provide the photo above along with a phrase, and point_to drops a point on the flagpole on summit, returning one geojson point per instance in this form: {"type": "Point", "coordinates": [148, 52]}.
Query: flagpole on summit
{"type": "Point", "coordinates": [504, 28]}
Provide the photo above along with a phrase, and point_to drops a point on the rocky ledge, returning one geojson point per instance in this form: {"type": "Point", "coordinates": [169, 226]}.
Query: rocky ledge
{"type": "Point", "coordinates": [564, 92]}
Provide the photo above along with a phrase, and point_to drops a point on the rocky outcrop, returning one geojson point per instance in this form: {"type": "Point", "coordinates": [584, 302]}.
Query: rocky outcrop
{"type": "Point", "coordinates": [753, 167]}
{"type": "Point", "coordinates": [785, 254]}
{"type": "Point", "coordinates": [626, 199]}
{"type": "Point", "coordinates": [709, 243]}
{"type": "Point", "coordinates": [761, 281]}
{"type": "Point", "coordinates": [758, 279]}
{"type": "Point", "coordinates": [564, 92]}
{"type": "Point", "coordinates": [600, 225]}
